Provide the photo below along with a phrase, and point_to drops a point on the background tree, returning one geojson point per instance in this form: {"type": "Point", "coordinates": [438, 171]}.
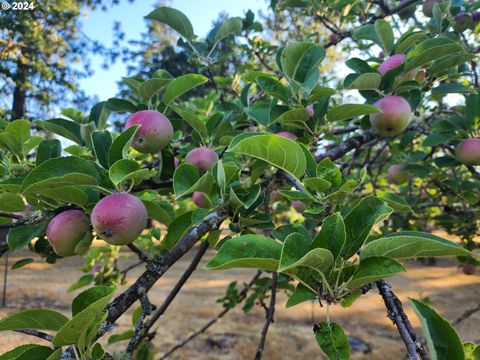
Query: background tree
{"type": "Point", "coordinates": [43, 53]}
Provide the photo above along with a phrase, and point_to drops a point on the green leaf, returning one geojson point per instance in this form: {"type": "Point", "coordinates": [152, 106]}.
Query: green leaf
{"type": "Point", "coordinates": [20, 236]}
{"type": "Point", "coordinates": [295, 253]}
{"type": "Point", "coordinates": [192, 120]}
{"type": "Point", "coordinates": [89, 296]}
{"type": "Point", "coordinates": [21, 263]}
{"type": "Point", "coordinates": [332, 235]}
{"type": "Point", "coordinates": [445, 62]}
{"type": "Point", "coordinates": [358, 65]}
{"type": "Point", "coordinates": [48, 149]}
{"type": "Point", "coordinates": [332, 340]}
{"type": "Point", "coordinates": [81, 322]}
{"type": "Point", "coordinates": [11, 203]}
{"type": "Point", "coordinates": [367, 81]}
{"type": "Point", "coordinates": [173, 18]}
{"type": "Point", "coordinates": [247, 251]}
{"type": "Point", "coordinates": [429, 50]}
{"type": "Point", "coordinates": [350, 111]}
{"type": "Point", "coordinates": [35, 319]}
{"type": "Point", "coordinates": [120, 105]}
{"type": "Point", "coordinates": [276, 150]}
{"type": "Point", "coordinates": [149, 88]}
{"type": "Point", "coordinates": [14, 353]}
{"type": "Point", "coordinates": [127, 335]}
{"type": "Point", "coordinates": [181, 85]}
{"type": "Point", "coordinates": [436, 139]}
{"type": "Point", "coordinates": [300, 295]}
{"type": "Point", "coordinates": [102, 141]}
{"type": "Point", "coordinates": [177, 229]}
{"type": "Point", "coordinates": [83, 281]}
{"type": "Point", "coordinates": [330, 172]}
{"type": "Point", "coordinates": [396, 202]}
{"type": "Point", "coordinates": [291, 117]}
{"type": "Point", "coordinates": [99, 115]}
{"type": "Point", "coordinates": [408, 40]}
{"type": "Point", "coordinates": [300, 60]}
{"type": "Point", "coordinates": [160, 211]}
{"type": "Point", "coordinates": [37, 352]}
{"type": "Point", "coordinates": [231, 26]}
{"type": "Point", "coordinates": [373, 269]}
{"type": "Point", "coordinates": [360, 221]}
{"type": "Point", "coordinates": [65, 128]}
{"type": "Point", "coordinates": [317, 184]}
{"type": "Point", "coordinates": [59, 179]}
{"type": "Point", "coordinates": [442, 339]}
{"type": "Point", "coordinates": [121, 145]}
{"type": "Point", "coordinates": [384, 34]}
{"type": "Point", "coordinates": [412, 244]}
{"type": "Point", "coordinates": [452, 88]}
{"type": "Point", "coordinates": [186, 180]}
{"type": "Point", "coordinates": [273, 88]}
{"type": "Point", "coordinates": [127, 170]}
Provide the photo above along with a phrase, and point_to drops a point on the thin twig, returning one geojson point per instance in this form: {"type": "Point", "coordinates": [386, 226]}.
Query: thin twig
{"type": "Point", "coordinates": [36, 333]}
{"type": "Point", "coordinates": [145, 328]}
{"type": "Point", "coordinates": [466, 314]}
{"type": "Point", "coordinates": [242, 296]}
{"type": "Point", "coordinates": [269, 320]}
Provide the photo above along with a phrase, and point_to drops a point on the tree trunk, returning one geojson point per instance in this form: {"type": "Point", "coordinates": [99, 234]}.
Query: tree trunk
{"type": "Point", "coordinates": [20, 93]}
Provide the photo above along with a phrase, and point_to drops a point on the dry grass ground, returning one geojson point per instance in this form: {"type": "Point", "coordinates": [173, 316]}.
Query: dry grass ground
{"type": "Point", "coordinates": [290, 337]}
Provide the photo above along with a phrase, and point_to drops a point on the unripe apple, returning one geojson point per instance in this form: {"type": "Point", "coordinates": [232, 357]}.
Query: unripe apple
{"type": "Point", "coordinates": [427, 7]}
{"type": "Point", "coordinates": [468, 152]}
{"type": "Point", "coordinates": [200, 200]}
{"type": "Point", "coordinates": [299, 206]}
{"type": "Point", "coordinates": [395, 116]}
{"type": "Point", "coordinates": [155, 131]}
{"type": "Point", "coordinates": [391, 63]}
{"type": "Point", "coordinates": [396, 174]}
{"type": "Point", "coordinates": [203, 158]}
{"type": "Point", "coordinates": [66, 230]}
{"type": "Point", "coordinates": [468, 269]}
{"type": "Point", "coordinates": [310, 110]}
{"type": "Point", "coordinates": [119, 218]}
{"type": "Point", "coordinates": [462, 22]}
{"type": "Point", "coordinates": [407, 12]}
{"type": "Point", "coordinates": [288, 135]}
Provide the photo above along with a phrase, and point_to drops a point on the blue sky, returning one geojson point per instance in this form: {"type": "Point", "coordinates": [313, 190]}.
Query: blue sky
{"type": "Point", "coordinates": [98, 25]}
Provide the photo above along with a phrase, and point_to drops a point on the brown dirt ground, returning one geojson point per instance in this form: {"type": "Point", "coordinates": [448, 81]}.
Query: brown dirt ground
{"type": "Point", "coordinates": [290, 337]}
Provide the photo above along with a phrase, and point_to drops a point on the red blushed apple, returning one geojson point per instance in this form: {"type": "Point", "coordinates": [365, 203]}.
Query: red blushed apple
{"type": "Point", "coordinates": [394, 118]}
{"type": "Point", "coordinates": [391, 63]}
{"type": "Point", "coordinates": [468, 152]}
{"type": "Point", "coordinates": [203, 158]}
{"type": "Point", "coordinates": [155, 131]}
{"type": "Point", "coordinates": [66, 230]}
{"type": "Point", "coordinates": [288, 135]}
{"type": "Point", "coordinates": [119, 218]}
{"type": "Point", "coordinates": [299, 206]}
{"type": "Point", "coordinates": [469, 269]}
{"type": "Point", "coordinates": [201, 200]}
